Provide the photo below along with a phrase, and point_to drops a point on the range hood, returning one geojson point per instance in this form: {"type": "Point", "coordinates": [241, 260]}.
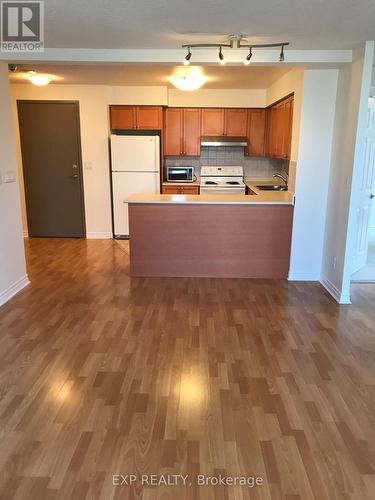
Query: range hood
{"type": "Point", "coordinates": [223, 141]}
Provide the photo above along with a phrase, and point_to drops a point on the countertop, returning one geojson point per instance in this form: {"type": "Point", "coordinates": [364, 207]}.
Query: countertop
{"type": "Point", "coordinates": [260, 198]}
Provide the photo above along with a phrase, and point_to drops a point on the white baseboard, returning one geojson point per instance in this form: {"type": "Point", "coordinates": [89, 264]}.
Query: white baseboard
{"type": "Point", "coordinates": [13, 289]}
{"type": "Point", "coordinates": [303, 277]}
{"type": "Point", "coordinates": [335, 292]}
{"type": "Point", "coordinates": [99, 236]}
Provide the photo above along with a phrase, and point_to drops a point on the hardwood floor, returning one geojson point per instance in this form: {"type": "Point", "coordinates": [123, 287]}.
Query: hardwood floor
{"type": "Point", "coordinates": [102, 374]}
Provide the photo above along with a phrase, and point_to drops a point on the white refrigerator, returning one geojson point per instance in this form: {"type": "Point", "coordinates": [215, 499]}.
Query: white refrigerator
{"type": "Point", "coordinates": [135, 165]}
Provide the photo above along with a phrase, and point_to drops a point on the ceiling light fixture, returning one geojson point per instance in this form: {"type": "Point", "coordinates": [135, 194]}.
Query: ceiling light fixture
{"type": "Point", "coordinates": [191, 79]}
{"type": "Point", "coordinates": [38, 78]}
{"type": "Point", "coordinates": [221, 56]}
{"type": "Point", "coordinates": [235, 42]}
{"type": "Point", "coordinates": [248, 57]}
{"type": "Point", "coordinates": [186, 60]}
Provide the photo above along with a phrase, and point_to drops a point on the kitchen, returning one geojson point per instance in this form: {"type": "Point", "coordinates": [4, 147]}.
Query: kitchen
{"type": "Point", "coordinates": [141, 109]}
{"type": "Point", "coordinates": [176, 248]}
{"type": "Point", "coordinates": [209, 157]}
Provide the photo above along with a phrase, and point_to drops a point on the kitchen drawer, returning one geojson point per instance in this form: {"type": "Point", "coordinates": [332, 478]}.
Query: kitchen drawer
{"type": "Point", "coordinates": [180, 189]}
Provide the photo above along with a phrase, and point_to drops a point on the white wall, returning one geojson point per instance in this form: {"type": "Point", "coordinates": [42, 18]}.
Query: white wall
{"type": "Point", "coordinates": [314, 158]}
{"type": "Point", "coordinates": [13, 275]}
{"type": "Point", "coordinates": [348, 94]}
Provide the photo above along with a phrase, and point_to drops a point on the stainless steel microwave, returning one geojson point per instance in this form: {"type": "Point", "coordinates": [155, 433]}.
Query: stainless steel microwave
{"type": "Point", "coordinates": [180, 174]}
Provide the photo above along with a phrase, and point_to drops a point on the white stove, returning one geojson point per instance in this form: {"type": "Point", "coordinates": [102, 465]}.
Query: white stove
{"type": "Point", "coordinates": [222, 180]}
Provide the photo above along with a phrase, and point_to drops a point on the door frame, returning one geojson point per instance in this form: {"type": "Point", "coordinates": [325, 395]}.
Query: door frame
{"type": "Point", "coordinates": [369, 60]}
{"type": "Point", "coordinates": [79, 148]}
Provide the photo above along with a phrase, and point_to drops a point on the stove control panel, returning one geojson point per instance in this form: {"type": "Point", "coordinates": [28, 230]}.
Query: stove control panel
{"type": "Point", "coordinates": [221, 171]}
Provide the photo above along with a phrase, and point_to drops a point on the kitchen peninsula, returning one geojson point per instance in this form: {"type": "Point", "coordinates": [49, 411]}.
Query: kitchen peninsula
{"type": "Point", "coordinates": [220, 236]}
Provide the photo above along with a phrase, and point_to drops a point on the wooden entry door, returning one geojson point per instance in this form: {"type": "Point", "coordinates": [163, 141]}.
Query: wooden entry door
{"type": "Point", "coordinates": [52, 168]}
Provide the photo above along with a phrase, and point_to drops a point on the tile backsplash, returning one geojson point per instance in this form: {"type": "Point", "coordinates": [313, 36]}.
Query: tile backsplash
{"type": "Point", "coordinates": [253, 167]}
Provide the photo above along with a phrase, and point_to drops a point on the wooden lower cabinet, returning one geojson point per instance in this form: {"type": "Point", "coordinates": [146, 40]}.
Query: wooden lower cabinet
{"type": "Point", "coordinates": [180, 189]}
{"type": "Point", "coordinates": [210, 240]}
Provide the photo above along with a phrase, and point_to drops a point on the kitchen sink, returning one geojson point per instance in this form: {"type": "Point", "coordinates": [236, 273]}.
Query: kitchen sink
{"type": "Point", "coordinates": [269, 187]}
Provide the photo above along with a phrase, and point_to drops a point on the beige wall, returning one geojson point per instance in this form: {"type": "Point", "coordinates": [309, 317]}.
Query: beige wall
{"type": "Point", "coordinates": [235, 98]}
{"type": "Point", "coordinates": [12, 259]}
{"type": "Point", "coordinates": [94, 139]}
{"type": "Point", "coordinates": [138, 95]}
{"type": "Point", "coordinates": [94, 101]}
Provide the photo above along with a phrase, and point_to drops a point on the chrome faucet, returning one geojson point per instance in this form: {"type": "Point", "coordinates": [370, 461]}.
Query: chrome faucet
{"type": "Point", "coordinates": [283, 177]}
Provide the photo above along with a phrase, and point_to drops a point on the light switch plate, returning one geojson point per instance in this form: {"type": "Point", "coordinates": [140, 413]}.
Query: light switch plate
{"type": "Point", "coordinates": [10, 176]}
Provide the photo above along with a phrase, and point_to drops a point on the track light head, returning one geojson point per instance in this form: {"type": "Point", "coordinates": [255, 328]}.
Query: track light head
{"type": "Point", "coordinates": [221, 57]}
{"type": "Point", "coordinates": [282, 54]}
{"type": "Point", "coordinates": [249, 56]}
{"type": "Point", "coordinates": [186, 60]}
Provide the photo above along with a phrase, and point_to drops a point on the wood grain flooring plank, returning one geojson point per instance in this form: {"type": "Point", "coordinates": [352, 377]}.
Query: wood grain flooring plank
{"type": "Point", "coordinates": [104, 374]}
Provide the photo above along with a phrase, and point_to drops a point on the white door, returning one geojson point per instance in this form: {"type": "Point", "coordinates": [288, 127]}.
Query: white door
{"type": "Point", "coordinates": [125, 184]}
{"type": "Point", "coordinates": [135, 153]}
{"type": "Point", "coordinates": [366, 192]}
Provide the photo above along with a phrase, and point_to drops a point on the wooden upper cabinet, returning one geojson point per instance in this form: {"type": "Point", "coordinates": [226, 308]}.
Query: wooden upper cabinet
{"type": "Point", "coordinates": [256, 122]}
{"type": "Point", "coordinates": [279, 128]}
{"type": "Point", "coordinates": [192, 132]}
{"type": "Point", "coordinates": [231, 122]}
{"type": "Point", "coordinates": [213, 121]}
{"type": "Point", "coordinates": [136, 117]}
{"type": "Point", "coordinates": [173, 132]}
{"type": "Point", "coordinates": [149, 117]}
{"type": "Point", "coordinates": [182, 132]}
{"type": "Point", "coordinates": [123, 117]}
{"type": "Point", "coordinates": [235, 123]}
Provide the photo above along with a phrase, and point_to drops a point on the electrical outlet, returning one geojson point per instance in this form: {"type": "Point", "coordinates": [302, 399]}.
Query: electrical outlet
{"type": "Point", "coordinates": [334, 262]}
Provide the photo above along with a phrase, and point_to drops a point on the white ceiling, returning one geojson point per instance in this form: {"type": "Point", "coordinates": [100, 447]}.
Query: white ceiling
{"type": "Point", "coordinates": [153, 74]}
{"type": "Point", "coordinates": [307, 24]}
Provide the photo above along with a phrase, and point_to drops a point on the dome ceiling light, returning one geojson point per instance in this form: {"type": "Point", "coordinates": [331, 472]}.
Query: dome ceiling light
{"type": "Point", "coordinates": [38, 78]}
{"type": "Point", "coordinates": [188, 79]}
{"type": "Point", "coordinates": [235, 42]}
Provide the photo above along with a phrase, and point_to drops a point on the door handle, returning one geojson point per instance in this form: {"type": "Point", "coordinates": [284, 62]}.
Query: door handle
{"type": "Point", "coordinates": [372, 196]}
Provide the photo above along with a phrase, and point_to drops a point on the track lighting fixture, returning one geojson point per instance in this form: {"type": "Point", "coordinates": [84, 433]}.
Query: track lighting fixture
{"type": "Point", "coordinates": [235, 42]}
{"type": "Point", "coordinates": [248, 57]}
{"type": "Point", "coordinates": [282, 54]}
{"type": "Point", "coordinates": [186, 60]}
{"type": "Point", "coordinates": [221, 57]}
